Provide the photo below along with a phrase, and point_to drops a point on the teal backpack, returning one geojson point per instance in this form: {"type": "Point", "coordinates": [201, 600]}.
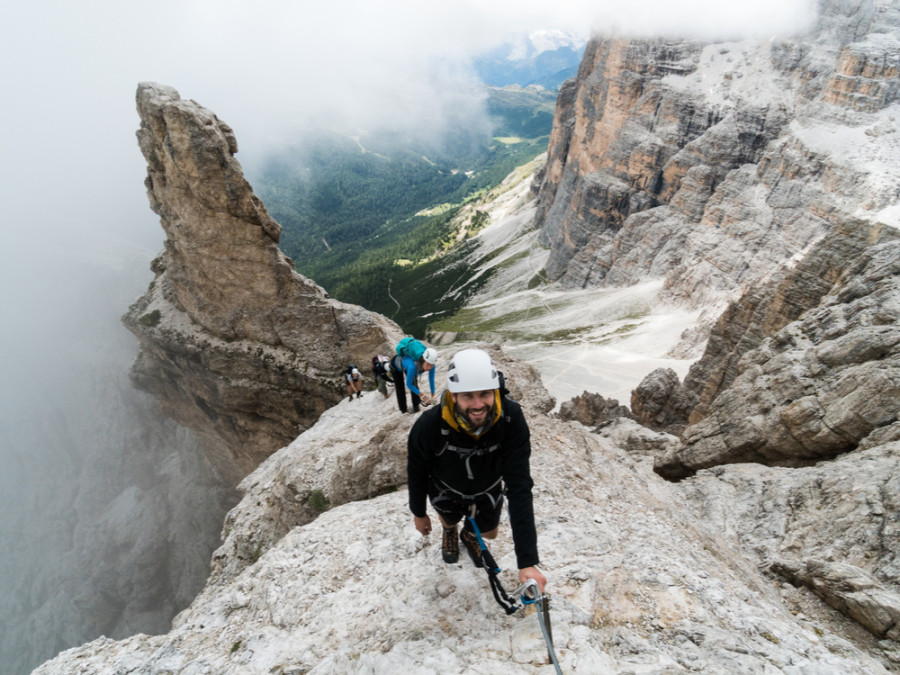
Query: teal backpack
{"type": "Point", "coordinates": [410, 347]}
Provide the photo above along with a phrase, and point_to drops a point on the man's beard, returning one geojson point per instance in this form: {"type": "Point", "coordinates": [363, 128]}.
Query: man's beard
{"type": "Point", "coordinates": [472, 425]}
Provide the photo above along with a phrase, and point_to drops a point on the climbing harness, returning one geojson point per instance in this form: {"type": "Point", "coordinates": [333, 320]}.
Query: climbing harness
{"type": "Point", "coordinates": [529, 593]}
{"type": "Point", "coordinates": [467, 453]}
{"type": "Point", "coordinates": [448, 493]}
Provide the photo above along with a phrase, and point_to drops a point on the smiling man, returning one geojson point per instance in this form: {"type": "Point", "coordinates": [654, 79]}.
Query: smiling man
{"type": "Point", "coordinates": [465, 455]}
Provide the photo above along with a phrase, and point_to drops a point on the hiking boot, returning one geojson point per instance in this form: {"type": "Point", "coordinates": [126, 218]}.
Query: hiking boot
{"type": "Point", "coordinates": [470, 541]}
{"type": "Point", "coordinates": [449, 546]}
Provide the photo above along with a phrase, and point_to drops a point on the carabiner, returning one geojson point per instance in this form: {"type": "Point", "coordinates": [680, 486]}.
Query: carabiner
{"type": "Point", "coordinates": [528, 593]}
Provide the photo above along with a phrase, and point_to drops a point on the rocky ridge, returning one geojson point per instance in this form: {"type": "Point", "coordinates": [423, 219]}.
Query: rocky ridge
{"type": "Point", "coordinates": [637, 582]}
{"type": "Point", "coordinates": [234, 343]}
{"type": "Point", "coordinates": [815, 389]}
{"type": "Point", "coordinates": [325, 468]}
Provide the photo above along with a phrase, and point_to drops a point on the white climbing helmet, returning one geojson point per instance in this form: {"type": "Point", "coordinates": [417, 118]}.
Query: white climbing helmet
{"type": "Point", "coordinates": [472, 370]}
{"type": "Point", "coordinates": [430, 355]}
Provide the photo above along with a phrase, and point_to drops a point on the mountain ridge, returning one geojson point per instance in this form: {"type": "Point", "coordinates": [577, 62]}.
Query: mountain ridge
{"type": "Point", "coordinates": [702, 549]}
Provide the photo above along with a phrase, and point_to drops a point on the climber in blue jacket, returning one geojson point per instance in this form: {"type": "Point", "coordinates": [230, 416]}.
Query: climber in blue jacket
{"type": "Point", "coordinates": [406, 373]}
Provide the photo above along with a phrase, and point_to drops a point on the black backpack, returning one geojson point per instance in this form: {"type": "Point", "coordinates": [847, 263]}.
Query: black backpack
{"type": "Point", "coordinates": [379, 364]}
{"type": "Point", "coordinates": [504, 392]}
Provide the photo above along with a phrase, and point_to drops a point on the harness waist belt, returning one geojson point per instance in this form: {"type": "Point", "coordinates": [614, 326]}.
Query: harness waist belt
{"type": "Point", "coordinates": [474, 497]}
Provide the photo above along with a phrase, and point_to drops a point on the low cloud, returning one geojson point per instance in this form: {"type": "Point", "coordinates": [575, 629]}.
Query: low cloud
{"type": "Point", "coordinates": [270, 66]}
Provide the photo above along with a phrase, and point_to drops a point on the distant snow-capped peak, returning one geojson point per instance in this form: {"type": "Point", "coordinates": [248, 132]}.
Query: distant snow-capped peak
{"type": "Point", "coordinates": [536, 42]}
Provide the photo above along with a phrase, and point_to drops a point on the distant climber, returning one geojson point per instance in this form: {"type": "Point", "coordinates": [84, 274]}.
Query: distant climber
{"type": "Point", "coordinates": [464, 455]}
{"type": "Point", "coordinates": [380, 366]}
{"type": "Point", "coordinates": [354, 381]}
{"type": "Point", "coordinates": [413, 358]}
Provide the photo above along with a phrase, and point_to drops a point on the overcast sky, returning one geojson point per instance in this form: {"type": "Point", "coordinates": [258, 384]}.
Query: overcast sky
{"type": "Point", "coordinates": [71, 175]}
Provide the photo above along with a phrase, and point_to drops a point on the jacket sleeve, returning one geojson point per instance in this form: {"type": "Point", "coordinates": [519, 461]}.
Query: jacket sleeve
{"type": "Point", "coordinates": [431, 380]}
{"type": "Point", "coordinates": [419, 460]}
{"type": "Point", "coordinates": [409, 367]}
{"type": "Point", "coordinates": [515, 467]}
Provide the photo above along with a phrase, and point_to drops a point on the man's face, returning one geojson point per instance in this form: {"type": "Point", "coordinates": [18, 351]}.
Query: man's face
{"type": "Point", "coordinates": [475, 406]}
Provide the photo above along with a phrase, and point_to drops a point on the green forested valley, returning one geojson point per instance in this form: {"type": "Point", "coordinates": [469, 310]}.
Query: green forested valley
{"type": "Point", "coordinates": [365, 214]}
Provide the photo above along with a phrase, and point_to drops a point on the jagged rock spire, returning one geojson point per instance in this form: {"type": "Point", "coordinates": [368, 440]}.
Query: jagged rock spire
{"type": "Point", "coordinates": [234, 343]}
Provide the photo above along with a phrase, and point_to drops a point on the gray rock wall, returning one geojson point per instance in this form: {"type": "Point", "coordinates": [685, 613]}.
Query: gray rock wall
{"type": "Point", "coordinates": [817, 388]}
{"type": "Point", "coordinates": [695, 162]}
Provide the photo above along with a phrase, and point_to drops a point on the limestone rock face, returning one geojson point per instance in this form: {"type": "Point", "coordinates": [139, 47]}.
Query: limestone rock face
{"type": "Point", "coordinates": [851, 591]}
{"type": "Point", "coordinates": [234, 343]}
{"type": "Point", "coordinates": [766, 309]}
{"type": "Point", "coordinates": [708, 164]}
{"type": "Point", "coordinates": [634, 170]}
{"type": "Point", "coordinates": [660, 402]}
{"type": "Point", "coordinates": [819, 387]}
{"type": "Point", "coordinates": [750, 175]}
{"type": "Point", "coordinates": [867, 76]}
{"type": "Point", "coordinates": [759, 179]}
{"type": "Point", "coordinates": [831, 527]}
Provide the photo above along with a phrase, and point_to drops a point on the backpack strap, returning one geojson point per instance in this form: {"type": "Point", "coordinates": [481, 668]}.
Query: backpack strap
{"type": "Point", "coordinates": [468, 454]}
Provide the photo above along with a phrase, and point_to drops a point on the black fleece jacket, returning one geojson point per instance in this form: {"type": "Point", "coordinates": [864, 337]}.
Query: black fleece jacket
{"type": "Point", "coordinates": [510, 461]}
